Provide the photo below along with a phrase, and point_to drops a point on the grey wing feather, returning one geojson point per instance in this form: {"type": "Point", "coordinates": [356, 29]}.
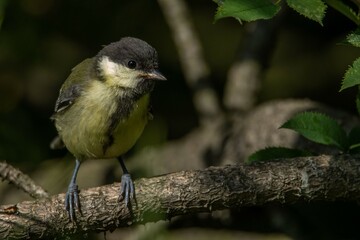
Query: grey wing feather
{"type": "Point", "coordinates": [74, 84]}
{"type": "Point", "coordinates": [67, 97]}
{"type": "Point", "coordinates": [69, 92]}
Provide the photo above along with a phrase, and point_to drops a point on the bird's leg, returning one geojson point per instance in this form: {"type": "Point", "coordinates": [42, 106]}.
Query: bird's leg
{"type": "Point", "coordinates": [127, 186]}
{"type": "Point", "coordinates": [72, 194]}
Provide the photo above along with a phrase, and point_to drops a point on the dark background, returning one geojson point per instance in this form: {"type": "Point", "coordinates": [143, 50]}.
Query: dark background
{"type": "Point", "coordinates": [41, 40]}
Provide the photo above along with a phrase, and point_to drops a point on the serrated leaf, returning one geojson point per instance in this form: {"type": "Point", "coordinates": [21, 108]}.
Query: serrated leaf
{"type": "Point", "coordinates": [312, 9]}
{"type": "Point", "coordinates": [318, 128]}
{"type": "Point", "coordinates": [246, 10]}
{"type": "Point", "coordinates": [276, 152]}
{"type": "Point", "coordinates": [354, 38]}
{"type": "Point", "coordinates": [345, 9]}
{"type": "Point", "coordinates": [352, 76]}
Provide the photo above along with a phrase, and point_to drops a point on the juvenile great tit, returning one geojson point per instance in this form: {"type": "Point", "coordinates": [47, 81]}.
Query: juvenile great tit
{"type": "Point", "coordinates": [103, 106]}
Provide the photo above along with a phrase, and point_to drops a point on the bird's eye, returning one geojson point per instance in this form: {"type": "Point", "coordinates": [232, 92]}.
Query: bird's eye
{"type": "Point", "coordinates": [131, 64]}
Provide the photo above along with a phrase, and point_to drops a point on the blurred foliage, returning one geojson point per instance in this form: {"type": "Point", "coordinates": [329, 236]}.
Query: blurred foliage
{"type": "Point", "coordinates": [252, 10]}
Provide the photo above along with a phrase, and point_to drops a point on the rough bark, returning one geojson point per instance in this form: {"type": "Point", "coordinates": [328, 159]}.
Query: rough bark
{"type": "Point", "coordinates": [326, 178]}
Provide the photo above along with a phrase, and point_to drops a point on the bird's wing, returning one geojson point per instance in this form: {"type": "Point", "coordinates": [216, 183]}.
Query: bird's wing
{"type": "Point", "coordinates": [74, 85]}
{"type": "Point", "coordinates": [67, 97]}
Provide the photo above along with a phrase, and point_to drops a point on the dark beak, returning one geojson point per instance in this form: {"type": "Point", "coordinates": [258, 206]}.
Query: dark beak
{"type": "Point", "coordinates": [154, 75]}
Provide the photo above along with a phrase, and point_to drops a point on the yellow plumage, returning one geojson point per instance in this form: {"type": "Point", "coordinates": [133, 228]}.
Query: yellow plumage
{"type": "Point", "coordinates": [84, 134]}
{"type": "Point", "coordinates": [83, 127]}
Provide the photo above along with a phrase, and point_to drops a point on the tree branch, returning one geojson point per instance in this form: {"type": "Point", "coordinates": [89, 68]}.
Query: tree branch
{"type": "Point", "coordinates": [327, 178]}
{"type": "Point", "coordinates": [246, 73]}
{"type": "Point", "coordinates": [191, 57]}
{"type": "Point", "coordinates": [21, 180]}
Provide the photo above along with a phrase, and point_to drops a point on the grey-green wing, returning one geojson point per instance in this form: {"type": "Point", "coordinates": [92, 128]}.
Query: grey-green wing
{"type": "Point", "coordinates": [74, 85]}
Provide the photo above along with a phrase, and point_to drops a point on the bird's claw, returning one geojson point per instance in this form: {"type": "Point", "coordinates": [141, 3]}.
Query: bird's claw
{"type": "Point", "coordinates": [72, 201]}
{"type": "Point", "coordinates": [127, 189]}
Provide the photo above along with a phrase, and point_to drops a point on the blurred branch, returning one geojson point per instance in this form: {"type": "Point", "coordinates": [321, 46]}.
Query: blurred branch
{"type": "Point", "coordinates": [287, 181]}
{"type": "Point", "coordinates": [192, 60]}
{"type": "Point", "coordinates": [245, 74]}
{"type": "Point", "coordinates": [21, 180]}
{"type": "Point", "coordinates": [258, 129]}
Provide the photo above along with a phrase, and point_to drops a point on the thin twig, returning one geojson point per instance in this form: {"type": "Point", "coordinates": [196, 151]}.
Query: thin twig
{"type": "Point", "coordinates": [21, 180]}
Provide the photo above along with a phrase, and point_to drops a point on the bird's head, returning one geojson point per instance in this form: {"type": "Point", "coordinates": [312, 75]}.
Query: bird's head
{"type": "Point", "coordinates": [130, 64]}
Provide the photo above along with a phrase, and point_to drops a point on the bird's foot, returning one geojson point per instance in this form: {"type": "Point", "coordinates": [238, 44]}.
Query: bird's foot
{"type": "Point", "coordinates": [72, 200]}
{"type": "Point", "coordinates": [127, 189]}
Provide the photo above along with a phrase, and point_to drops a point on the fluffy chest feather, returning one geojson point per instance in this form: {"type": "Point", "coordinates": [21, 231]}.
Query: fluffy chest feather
{"type": "Point", "coordinates": [105, 122]}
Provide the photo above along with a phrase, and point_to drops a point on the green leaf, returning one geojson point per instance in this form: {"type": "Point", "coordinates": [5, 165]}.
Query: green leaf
{"type": "Point", "coordinates": [352, 76]}
{"type": "Point", "coordinates": [247, 10]}
{"type": "Point", "coordinates": [318, 128]}
{"type": "Point", "coordinates": [313, 9]}
{"type": "Point", "coordinates": [344, 9]}
{"type": "Point", "coordinates": [276, 152]}
{"type": "Point", "coordinates": [354, 38]}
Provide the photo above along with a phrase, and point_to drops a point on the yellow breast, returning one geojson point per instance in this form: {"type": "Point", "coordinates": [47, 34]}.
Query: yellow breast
{"type": "Point", "coordinates": [129, 130]}
{"type": "Point", "coordinates": [84, 126]}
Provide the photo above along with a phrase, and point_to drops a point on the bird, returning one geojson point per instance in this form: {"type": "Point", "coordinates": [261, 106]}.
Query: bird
{"type": "Point", "coordinates": [103, 107]}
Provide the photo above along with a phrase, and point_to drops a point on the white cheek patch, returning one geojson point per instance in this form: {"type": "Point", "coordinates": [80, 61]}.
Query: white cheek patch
{"type": "Point", "coordinates": [117, 74]}
{"type": "Point", "coordinates": [107, 67]}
